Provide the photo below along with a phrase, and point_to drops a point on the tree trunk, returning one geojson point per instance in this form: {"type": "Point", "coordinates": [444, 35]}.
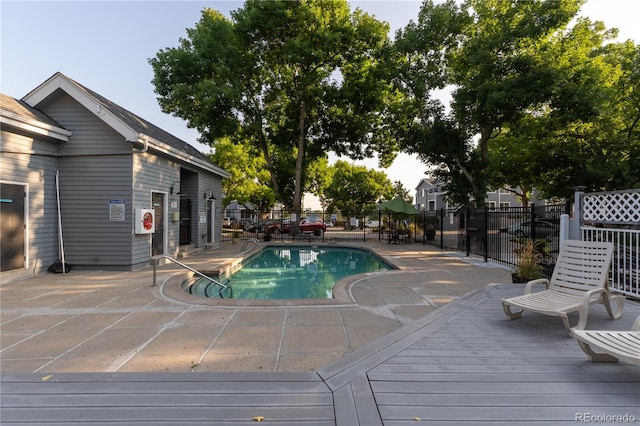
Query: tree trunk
{"type": "Point", "coordinates": [297, 195]}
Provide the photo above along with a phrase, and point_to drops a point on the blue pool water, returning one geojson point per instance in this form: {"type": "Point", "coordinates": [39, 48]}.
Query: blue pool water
{"type": "Point", "coordinates": [294, 273]}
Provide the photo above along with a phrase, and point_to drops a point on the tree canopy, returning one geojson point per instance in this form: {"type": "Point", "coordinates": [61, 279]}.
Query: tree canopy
{"type": "Point", "coordinates": [249, 180]}
{"type": "Point", "coordinates": [354, 189]}
{"type": "Point", "coordinates": [537, 103]}
{"type": "Point", "coordinates": [294, 79]}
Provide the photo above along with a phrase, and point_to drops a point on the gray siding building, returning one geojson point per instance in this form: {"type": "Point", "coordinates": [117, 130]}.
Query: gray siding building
{"type": "Point", "coordinates": [430, 196]}
{"type": "Point", "coordinates": [85, 179]}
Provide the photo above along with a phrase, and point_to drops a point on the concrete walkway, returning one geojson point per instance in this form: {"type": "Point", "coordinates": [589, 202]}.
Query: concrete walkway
{"type": "Point", "coordinates": [100, 321]}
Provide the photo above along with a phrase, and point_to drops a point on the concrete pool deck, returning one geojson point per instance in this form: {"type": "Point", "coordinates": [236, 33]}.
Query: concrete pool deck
{"type": "Point", "coordinates": [104, 321]}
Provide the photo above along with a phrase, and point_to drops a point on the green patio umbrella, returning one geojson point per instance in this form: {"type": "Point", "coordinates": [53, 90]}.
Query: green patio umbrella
{"type": "Point", "coordinates": [399, 205]}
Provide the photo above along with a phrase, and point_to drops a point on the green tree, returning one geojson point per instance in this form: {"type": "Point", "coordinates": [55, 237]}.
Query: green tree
{"type": "Point", "coordinates": [587, 133]}
{"type": "Point", "coordinates": [400, 191]}
{"type": "Point", "coordinates": [297, 79]}
{"type": "Point", "coordinates": [592, 133]}
{"type": "Point", "coordinates": [355, 189]}
{"type": "Point", "coordinates": [249, 181]}
{"type": "Point", "coordinates": [490, 52]}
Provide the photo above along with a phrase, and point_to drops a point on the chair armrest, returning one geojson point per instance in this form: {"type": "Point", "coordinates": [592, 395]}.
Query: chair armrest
{"type": "Point", "coordinates": [586, 299]}
{"type": "Point", "coordinates": [530, 284]}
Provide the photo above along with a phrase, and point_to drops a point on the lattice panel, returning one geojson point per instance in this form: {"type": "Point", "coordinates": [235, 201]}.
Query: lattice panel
{"type": "Point", "coordinates": [613, 207]}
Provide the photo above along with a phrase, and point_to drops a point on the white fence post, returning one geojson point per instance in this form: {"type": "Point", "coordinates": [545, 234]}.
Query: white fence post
{"type": "Point", "coordinates": [565, 223]}
{"type": "Point", "coordinates": [574, 230]}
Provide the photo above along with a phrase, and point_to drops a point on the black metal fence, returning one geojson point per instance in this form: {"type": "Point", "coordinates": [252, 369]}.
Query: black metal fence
{"type": "Point", "coordinates": [497, 234]}
{"type": "Point", "coordinates": [494, 234]}
{"type": "Point", "coordinates": [281, 225]}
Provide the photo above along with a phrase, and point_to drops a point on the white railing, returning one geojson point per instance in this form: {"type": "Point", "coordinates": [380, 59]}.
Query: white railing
{"type": "Point", "coordinates": [624, 276]}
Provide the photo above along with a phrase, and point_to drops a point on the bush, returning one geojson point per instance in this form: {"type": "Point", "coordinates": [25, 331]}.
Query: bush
{"type": "Point", "coordinates": [529, 258]}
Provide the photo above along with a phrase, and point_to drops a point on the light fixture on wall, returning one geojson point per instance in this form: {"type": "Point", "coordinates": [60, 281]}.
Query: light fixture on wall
{"type": "Point", "coordinates": [208, 194]}
{"type": "Point", "coordinates": [172, 186]}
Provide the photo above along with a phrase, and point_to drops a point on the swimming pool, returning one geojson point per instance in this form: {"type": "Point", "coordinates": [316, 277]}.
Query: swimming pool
{"type": "Point", "coordinates": [292, 272]}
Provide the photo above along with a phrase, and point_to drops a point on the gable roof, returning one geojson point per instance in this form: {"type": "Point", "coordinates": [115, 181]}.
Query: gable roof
{"type": "Point", "coordinates": [132, 127]}
{"type": "Point", "coordinates": [20, 115]}
{"type": "Point", "coordinates": [429, 182]}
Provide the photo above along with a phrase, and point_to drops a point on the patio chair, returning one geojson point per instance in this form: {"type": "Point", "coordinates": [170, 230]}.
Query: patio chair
{"type": "Point", "coordinates": [579, 279]}
{"type": "Point", "coordinates": [614, 346]}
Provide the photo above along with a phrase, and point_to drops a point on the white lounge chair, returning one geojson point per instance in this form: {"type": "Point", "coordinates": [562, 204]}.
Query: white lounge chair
{"type": "Point", "coordinates": [614, 346]}
{"type": "Point", "coordinates": [579, 279]}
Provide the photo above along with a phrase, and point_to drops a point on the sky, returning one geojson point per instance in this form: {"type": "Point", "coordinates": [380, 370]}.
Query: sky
{"type": "Point", "coordinates": [106, 45]}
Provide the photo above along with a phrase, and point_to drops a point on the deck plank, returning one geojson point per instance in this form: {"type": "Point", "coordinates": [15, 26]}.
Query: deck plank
{"type": "Point", "coordinates": [151, 398]}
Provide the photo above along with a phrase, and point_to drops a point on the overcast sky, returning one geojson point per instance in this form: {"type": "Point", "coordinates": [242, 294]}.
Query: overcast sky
{"type": "Point", "coordinates": [105, 45]}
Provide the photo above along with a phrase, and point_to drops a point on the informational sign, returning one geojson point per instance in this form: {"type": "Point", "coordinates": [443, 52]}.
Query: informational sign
{"type": "Point", "coordinates": [116, 210]}
{"type": "Point", "coordinates": [203, 218]}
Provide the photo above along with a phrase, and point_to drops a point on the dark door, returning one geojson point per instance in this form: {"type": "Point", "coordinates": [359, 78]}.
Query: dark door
{"type": "Point", "coordinates": [185, 221]}
{"type": "Point", "coordinates": [12, 226]}
{"type": "Point", "coordinates": [157, 239]}
{"type": "Point", "coordinates": [210, 210]}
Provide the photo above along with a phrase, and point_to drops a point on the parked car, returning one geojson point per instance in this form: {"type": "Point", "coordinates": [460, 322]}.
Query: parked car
{"type": "Point", "coordinates": [247, 223]}
{"type": "Point", "coordinates": [226, 222]}
{"type": "Point", "coordinates": [372, 224]}
{"type": "Point", "coordinates": [284, 226]}
{"type": "Point", "coordinates": [279, 226]}
{"type": "Point", "coordinates": [306, 226]}
{"type": "Point", "coordinates": [544, 229]}
{"type": "Point", "coordinates": [262, 225]}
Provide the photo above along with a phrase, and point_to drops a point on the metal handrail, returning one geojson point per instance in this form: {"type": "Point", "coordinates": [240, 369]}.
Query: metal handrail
{"type": "Point", "coordinates": [157, 258]}
{"type": "Point", "coordinates": [246, 243]}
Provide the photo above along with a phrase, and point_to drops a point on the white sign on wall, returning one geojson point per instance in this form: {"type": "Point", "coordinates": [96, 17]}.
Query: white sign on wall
{"type": "Point", "coordinates": [116, 210]}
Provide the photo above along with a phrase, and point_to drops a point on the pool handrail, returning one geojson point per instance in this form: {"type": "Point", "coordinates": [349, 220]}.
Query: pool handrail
{"type": "Point", "coordinates": [247, 241]}
{"type": "Point", "coordinates": [156, 259]}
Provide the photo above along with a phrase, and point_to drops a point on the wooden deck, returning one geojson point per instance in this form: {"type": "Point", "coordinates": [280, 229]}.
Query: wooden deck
{"type": "Point", "coordinates": [465, 363]}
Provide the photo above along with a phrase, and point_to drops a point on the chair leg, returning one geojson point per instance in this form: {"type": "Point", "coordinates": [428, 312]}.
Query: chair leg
{"type": "Point", "coordinates": [582, 322]}
{"type": "Point", "coordinates": [583, 314]}
{"type": "Point", "coordinates": [607, 300]}
{"type": "Point", "coordinates": [596, 357]}
{"type": "Point", "coordinates": [511, 315]}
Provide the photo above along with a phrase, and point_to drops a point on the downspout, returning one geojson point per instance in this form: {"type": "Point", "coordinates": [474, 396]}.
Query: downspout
{"type": "Point", "coordinates": [61, 242]}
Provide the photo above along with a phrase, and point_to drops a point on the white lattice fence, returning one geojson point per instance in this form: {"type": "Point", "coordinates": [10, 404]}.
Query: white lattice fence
{"type": "Point", "coordinates": [618, 207]}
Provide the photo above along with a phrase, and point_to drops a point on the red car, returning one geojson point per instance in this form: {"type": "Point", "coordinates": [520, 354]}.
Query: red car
{"type": "Point", "coordinates": [305, 226]}
{"type": "Point", "coordinates": [279, 227]}
{"type": "Point", "coordinates": [313, 226]}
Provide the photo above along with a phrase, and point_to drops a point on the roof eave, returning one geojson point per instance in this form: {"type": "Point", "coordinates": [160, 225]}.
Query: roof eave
{"type": "Point", "coordinates": [166, 149]}
{"type": "Point", "coordinates": [8, 118]}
